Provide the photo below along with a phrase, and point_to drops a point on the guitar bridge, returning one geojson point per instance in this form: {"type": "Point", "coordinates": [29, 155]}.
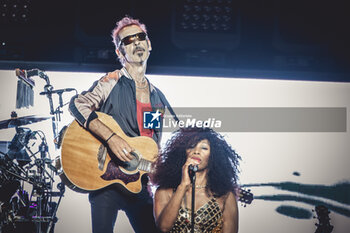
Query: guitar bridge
{"type": "Point", "coordinates": [101, 156]}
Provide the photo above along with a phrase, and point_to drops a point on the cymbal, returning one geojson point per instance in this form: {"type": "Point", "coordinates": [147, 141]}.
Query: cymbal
{"type": "Point", "coordinates": [19, 121]}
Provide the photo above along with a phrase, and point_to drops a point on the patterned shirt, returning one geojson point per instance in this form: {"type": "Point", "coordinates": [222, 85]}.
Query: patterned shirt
{"type": "Point", "coordinates": [208, 218]}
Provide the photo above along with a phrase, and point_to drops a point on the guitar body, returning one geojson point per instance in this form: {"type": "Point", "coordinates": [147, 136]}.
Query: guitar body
{"type": "Point", "coordinates": [87, 164]}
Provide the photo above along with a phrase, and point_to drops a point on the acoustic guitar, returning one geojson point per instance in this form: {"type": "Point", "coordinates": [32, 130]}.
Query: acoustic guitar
{"type": "Point", "coordinates": [88, 165]}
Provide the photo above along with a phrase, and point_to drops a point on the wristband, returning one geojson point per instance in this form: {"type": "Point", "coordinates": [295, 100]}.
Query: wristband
{"type": "Point", "coordinates": [110, 136]}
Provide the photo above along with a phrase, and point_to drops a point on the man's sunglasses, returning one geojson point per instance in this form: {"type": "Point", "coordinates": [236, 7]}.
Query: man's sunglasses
{"type": "Point", "coordinates": [130, 39]}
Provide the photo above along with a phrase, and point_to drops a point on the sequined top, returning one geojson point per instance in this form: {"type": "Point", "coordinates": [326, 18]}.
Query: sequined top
{"type": "Point", "coordinates": [208, 218]}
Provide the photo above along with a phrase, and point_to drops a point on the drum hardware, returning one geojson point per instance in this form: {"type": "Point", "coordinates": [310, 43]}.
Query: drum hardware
{"type": "Point", "coordinates": [3, 148]}
{"type": "Point", "coordinates": [53, 219]}
{"type": "Point", "coordinates": [19, 209]}
{"type": "Point", "coordinates": [22, 161]}
{"type": "Point", "coordinates": [17, 148]}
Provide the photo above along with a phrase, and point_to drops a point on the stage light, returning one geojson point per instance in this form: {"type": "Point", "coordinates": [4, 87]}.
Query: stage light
{"type": "Point", "coordinates": [14, 11]}
{"type": "Point", "coordinates": [206, 24]}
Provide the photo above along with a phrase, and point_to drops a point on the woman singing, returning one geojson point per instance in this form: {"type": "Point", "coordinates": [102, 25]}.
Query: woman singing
{"type": "Point", "coordinates": [216, 179]}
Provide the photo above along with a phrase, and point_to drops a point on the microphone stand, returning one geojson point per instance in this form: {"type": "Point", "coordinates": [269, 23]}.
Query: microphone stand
{"type": "Point", "coordinates": [56, 114]}
{"type": "Point", "coordinates": [193, 180]}
{"type": "Point", "coordinates": [48, 89]}
{"type": "Point", "coordinates": [58, 111]}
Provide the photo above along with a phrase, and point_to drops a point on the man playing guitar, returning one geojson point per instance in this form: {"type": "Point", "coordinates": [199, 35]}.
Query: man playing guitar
{"type": "Point", "coordinates": [123, 94]}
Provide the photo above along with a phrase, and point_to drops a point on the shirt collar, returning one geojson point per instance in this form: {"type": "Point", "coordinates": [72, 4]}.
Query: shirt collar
{"type": "Point", "coordinates": [126, 73]}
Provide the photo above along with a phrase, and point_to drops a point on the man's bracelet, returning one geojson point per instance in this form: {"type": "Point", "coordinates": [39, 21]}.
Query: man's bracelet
{"type": "Point", "coordinates": [110, 136]}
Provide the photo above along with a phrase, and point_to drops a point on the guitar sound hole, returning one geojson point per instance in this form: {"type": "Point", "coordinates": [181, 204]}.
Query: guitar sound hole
{"type": "Point", "coordinates": [134, 163]}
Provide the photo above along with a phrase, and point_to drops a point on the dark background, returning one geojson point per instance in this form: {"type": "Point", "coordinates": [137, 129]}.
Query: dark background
{"type": "Point", "coordinates": [276, 39]}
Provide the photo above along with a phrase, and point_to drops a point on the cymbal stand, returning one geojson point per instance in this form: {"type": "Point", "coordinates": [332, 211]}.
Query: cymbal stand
{"type": "Point", "coordinates": [48, 92]}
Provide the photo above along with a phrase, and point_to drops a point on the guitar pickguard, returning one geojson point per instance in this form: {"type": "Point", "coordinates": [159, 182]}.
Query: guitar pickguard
{"type": "Point", "coordinates": [113, 172]}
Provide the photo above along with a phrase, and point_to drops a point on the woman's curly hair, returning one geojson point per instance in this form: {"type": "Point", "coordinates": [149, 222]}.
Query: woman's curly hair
{"type": "Point", "coordinates": [222, 166]}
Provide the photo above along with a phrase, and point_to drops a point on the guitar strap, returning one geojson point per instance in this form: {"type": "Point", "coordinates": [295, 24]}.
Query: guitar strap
{"type": "Point", "coordinates": [167, 105]}
{"type": "Point", "coordinates": [161, 96]}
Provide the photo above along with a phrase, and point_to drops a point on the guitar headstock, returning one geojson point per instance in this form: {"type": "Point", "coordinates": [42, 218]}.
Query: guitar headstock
{"type": "Point", "coordinates": [245, 196]}
{"type": "Point", "coordinates": [323, 225]}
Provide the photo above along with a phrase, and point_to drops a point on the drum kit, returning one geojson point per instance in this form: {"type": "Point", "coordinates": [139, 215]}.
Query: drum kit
{"type": "Point", "coordinates": [28, 197]}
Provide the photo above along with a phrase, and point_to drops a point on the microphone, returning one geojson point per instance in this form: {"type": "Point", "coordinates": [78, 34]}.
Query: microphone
{"type": "Point", "coordinates": [193, 168]}
{"type": "Point", "coordinates": [58, 91]}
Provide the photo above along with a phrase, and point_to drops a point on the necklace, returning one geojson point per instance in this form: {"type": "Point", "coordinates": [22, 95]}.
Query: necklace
{"type": "Point", "coordinates": [144, 81]}
{"type": "Point", "coordinates": [145, 86]}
